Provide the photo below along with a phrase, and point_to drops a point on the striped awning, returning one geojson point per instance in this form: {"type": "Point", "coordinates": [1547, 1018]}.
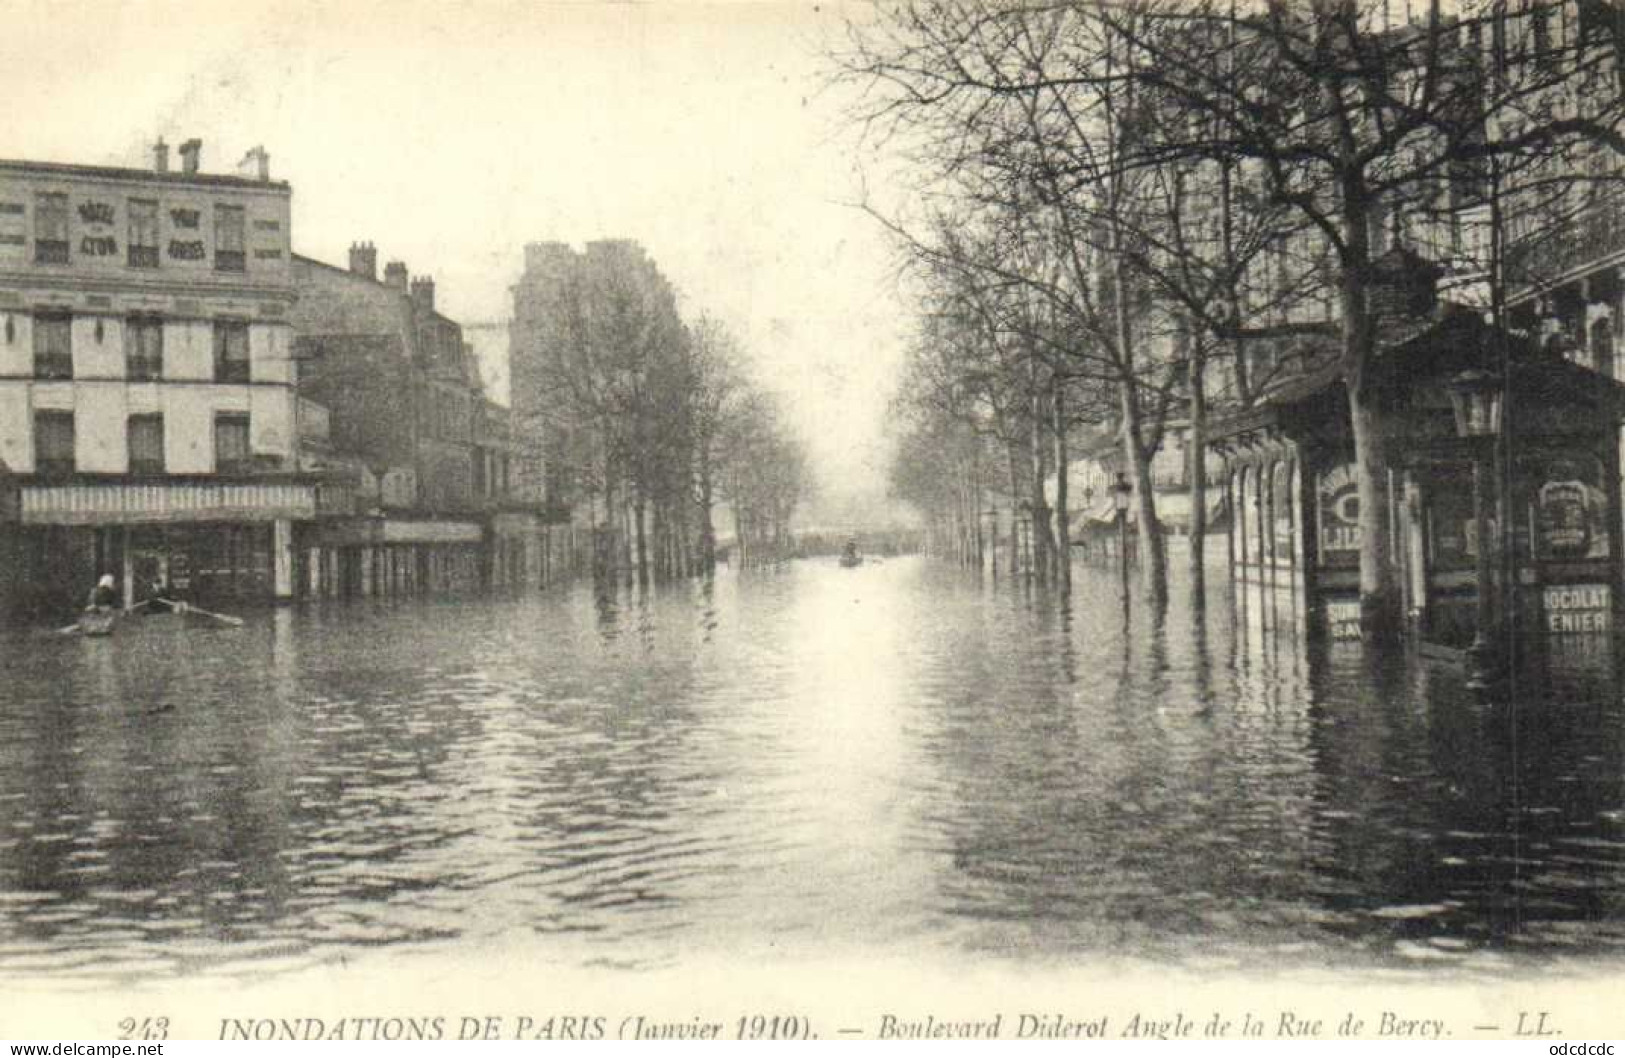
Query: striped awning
{"type": "Point", "coordinates": [134, 503]}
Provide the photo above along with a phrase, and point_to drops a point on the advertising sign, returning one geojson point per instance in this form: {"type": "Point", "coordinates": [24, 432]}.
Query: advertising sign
{"type": "Point", "coordinates": [1571, 511]}
{"type": "Point", "coordinates": [1572, 608]}
{"type": "Point", "coordinates": [1343, 618]}
{"type": "Point", "coordinates": [1338, 502]}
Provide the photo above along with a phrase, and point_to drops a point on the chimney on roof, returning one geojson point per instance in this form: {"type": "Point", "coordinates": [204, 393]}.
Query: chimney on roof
{"type": "Point", "coordinates": [191, 151]}
{"type": "Point", "coordinates": [160, 156]}
{"type": "Point", "coordinates": [256, 165]}
{"type": "Point", "coordinates": [395, 275]}
{"type": "Point", "coordinates": [423, 293]}
{"type": "Point", "coordinates": [364, 259]}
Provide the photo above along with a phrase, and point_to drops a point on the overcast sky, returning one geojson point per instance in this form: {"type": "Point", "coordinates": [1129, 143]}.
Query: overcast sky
{"type": "Point", "coordinates": [451, 134]}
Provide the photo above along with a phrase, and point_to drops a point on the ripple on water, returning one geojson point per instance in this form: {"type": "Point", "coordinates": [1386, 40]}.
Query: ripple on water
{"type": "Point", "coordinates": [837, 760]}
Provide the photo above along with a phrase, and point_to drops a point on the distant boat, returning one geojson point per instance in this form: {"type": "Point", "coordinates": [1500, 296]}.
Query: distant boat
{"type": "Point", "coordinates": [850, 556]}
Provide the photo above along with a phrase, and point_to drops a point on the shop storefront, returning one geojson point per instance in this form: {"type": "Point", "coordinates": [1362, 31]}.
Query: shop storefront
{"type": "Point", "coordinates": [1551, 493]}
{"type": "Point", "coordinates": [207, 539]}
{"type": "Point", "coordinates": [390, 556]}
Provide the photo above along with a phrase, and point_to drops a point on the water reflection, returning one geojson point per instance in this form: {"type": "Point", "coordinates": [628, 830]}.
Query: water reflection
{"type": "Point", "coordinates": [811, 759]}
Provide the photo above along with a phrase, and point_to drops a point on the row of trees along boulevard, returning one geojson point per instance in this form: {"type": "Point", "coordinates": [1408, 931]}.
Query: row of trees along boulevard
{"type": "Point", "coordinates": [1126, 212]}
{"type": "Point", "coordinates": [651, 423]}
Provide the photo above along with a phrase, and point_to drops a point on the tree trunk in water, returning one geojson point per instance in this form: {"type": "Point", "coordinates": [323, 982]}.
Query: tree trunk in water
{"type": "Point", "coordinates": [605, 548]}
{"type": "Point", "coordinates": [1154, 557]}
{"type": "Point", "coordinates": [639, 511]}
{"type": "Point", "coordinates": [1063, 541]}
{"type": "Point", "coordinates": [1015, 516]}
{"type": "Point", "coordinates": [1153, 553]}
{"type": "Point", "coordinates": [1043, 548]}
{"type": "Point", "coordinates": [1379, 594]}
{"type": "Point", "coordinates": [628, 566]}
{"type": "Point", "coordinates": [1198, 480]}
{"type": "Point", "coordinates": [662, 543]}
{"type": "Point", "coordinates": [708, 531]}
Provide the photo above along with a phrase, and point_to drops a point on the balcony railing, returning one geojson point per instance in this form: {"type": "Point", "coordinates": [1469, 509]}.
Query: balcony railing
{"type": "Point", "coordinates": [1597, 234]}
{"type": "Point", "coordinates": [50, 251]}
{"type": "Point", "coordinates": [144, 368]}
{"type": "Point", "coordinates": [53, 365]}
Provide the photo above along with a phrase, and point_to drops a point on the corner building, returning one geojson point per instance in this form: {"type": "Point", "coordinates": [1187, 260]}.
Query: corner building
{"type": "Point", "coordinates": [148, 415]}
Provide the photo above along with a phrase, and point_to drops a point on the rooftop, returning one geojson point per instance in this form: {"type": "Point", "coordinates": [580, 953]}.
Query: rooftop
{"type": "Point", "coordinates": [151, 176]}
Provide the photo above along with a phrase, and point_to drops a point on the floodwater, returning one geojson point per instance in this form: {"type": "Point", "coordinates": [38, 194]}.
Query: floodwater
{"type": "Point", "coordinates": [813, 759]}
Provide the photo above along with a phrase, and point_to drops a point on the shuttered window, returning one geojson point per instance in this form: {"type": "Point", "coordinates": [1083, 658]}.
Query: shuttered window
{"type": "Point", "coordinates": [53, 442]}
{"type": "Point", "coordinates": [53, 345]}
{"type": "Point", "coordinates": [231, 452]}
{"type": "Point", "coordinates": [230, 351]}
{"type": "Point", "coordinates": [144, 348]}
{"type": "Point", "coordinates": [50, 228]}
{"type": "Point", "coordinates": [143, 238]}
{"type": "Point", "coordinates": [146, 440]}
{"type": "Point", "coordinates": [229, 239]}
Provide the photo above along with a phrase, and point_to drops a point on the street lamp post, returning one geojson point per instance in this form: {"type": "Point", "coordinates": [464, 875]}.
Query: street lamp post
{"type": "Point", "coordinates": [1120, 496]}
{"type": "Point", "coordinates": [1475, 399]}
{"type": "Point", "coordinates": [1089, 508]}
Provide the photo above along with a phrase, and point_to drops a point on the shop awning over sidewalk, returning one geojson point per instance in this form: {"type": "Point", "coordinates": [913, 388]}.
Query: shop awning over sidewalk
{"type": "Point", "coordinates": [1173, 511]}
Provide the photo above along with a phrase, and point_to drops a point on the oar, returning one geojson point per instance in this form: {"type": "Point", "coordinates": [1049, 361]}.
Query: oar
{"type": "Point", "coordinates": [226, 618]}
{"type": "Point", "coordinates": [69, 629]}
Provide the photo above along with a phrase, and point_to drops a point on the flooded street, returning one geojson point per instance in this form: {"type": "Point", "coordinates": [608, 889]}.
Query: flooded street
{"type": "Point", "coordinates": [810, 760]}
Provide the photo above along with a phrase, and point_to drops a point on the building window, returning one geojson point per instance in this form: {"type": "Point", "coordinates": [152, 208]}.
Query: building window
{"type": "Point", "coordinates": [53, 442]}
{"type": "Point", "coordinates": [1541, 29]}
{"type": "Point", "coordinates": [144, 348]}
{"type": "Point", "coordinates": [146, 444]}
{"type": "Point", "coordinates": [228, 239]}
{"type": "Point", "coordinates": [143, 240]}
{"type": "Point", "coordinates": [50, 228]}
{"type": "Point", "coordinates": [53, 345]}
{"type": "Point", "coordinates": [230, 351]}
{"type": "Point", "coordinates": [231, 453]}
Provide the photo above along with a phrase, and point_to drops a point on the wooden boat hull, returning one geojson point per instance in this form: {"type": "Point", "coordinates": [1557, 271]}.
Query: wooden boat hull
{"type": "Point", "coordinates": [98, 622]}
{"type": "Point", "coordinates": [851, 560]}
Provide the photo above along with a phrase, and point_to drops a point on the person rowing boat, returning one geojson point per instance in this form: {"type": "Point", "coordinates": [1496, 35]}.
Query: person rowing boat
{"type": "Point", "coordinates": [163, 599]}
{"type": "Point", "coordinates": [101, 609]}
{"type": "Point", "coordinates": [104, 596]}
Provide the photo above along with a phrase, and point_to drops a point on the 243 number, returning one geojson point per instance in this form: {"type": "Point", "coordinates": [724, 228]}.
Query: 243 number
{"type": "Point", "coordinates": [143, 1029]}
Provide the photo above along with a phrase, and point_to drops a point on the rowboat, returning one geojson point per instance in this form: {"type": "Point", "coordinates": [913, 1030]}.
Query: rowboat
{"type": "Point", "coordinates": [179, 615]}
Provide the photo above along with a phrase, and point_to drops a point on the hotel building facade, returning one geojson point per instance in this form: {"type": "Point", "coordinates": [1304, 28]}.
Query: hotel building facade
{"type": "Point", "coordinates": [149, 417]}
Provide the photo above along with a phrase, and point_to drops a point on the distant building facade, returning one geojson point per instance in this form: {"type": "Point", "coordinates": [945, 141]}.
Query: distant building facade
{"type": "Point", "coordinates": [434, 508]}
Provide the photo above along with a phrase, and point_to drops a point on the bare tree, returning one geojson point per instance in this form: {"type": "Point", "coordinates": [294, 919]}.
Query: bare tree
{"type": "Point", "coordinates": [1364, 129]}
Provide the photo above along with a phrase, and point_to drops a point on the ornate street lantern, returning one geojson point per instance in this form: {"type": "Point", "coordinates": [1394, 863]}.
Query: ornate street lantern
{"type": "Point", "coordinates": [1121, 493]}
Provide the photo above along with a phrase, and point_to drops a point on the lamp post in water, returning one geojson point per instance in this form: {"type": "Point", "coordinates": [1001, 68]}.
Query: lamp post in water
{"type": "Point", "coordinates": [1120, 496]}
{"type": "Point", "coordinates": [1475, 399]}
